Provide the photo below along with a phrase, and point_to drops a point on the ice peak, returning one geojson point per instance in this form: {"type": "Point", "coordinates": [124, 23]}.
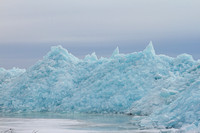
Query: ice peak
{"type": "Point", "coordinates": [93, 54]}
{"type": "Point", "coordinates": [60, 53]}
{"type": "Point", "coordinates": [149, 49]}
{"type": "Point", "coordinates": [115, 52]}
{"type": "Point", "coordinates": [59, 49]}
{"type": "Point", "coordinates": [91, 57]}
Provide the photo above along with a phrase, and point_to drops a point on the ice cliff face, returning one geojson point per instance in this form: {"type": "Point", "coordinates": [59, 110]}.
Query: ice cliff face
{"type": "Point", "coordinates": [159, 90]}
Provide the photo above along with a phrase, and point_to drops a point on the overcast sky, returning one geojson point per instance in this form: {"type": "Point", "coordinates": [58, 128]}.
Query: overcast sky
{"type": "Point", "coordinates": [29, 27]}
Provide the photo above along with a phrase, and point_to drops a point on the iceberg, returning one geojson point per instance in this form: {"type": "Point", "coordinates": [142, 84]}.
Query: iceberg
{"type": "Point", "coordinates": [158, 90]}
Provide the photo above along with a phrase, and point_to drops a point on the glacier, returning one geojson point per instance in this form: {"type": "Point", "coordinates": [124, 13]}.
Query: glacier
{"type": "Point", "coordinates": [157, 90]}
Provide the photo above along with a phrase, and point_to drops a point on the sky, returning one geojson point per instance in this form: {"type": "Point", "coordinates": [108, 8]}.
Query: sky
{"type": "Point", "coordinates": [28, 28]}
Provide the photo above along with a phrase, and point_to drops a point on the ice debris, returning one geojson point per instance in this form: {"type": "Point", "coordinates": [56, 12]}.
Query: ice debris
{"type": "Point", "coordinates": [160, 91]}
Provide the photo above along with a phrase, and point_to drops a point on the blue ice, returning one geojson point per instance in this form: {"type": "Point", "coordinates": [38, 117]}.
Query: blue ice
{"type": "Point", "coordinates": [160, 91]}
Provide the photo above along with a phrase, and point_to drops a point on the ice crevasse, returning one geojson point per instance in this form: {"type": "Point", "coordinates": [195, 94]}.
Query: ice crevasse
{"type": "Point", "coordinates": [160, 91]}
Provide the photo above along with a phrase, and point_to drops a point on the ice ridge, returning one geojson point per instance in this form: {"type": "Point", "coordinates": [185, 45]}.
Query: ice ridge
{"type": "Point", "coordinates": [160, 91]}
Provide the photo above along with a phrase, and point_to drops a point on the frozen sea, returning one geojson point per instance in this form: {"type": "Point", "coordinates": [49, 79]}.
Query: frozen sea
{"type": "Point", "coordinates": [67, 123]}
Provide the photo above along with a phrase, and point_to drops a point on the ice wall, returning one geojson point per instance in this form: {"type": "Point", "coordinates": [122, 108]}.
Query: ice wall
{"type": "Point", "coordinates": [160, 91]}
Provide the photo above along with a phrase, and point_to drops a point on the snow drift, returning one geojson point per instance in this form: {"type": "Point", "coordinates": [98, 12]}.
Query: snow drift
{"type": "Point", "coordinates": [160, 91]}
